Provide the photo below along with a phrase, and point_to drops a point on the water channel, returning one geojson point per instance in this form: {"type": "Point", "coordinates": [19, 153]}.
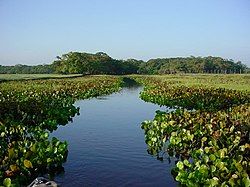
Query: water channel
{"type": "Point", "coordinates": [106, 144]}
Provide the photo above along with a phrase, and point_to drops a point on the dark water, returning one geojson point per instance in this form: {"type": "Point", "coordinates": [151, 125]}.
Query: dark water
{"type": "Point", "coordinates": [106, 144]}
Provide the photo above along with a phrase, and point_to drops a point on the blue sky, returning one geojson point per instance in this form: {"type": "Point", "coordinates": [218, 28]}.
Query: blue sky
{"type": "Point", "coordinates": [35, 32]}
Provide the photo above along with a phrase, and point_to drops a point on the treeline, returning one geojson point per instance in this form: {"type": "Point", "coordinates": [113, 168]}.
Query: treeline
{"type": "Point", "coordinates": [101, 63]}
{"type": "Point", "coordinates": [24, 69]}
{"type": "Point", "coordinates": [192, 65]}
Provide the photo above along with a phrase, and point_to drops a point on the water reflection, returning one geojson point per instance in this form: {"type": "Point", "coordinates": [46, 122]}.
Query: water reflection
{"type": "Point", "coordinates": [107, 145]}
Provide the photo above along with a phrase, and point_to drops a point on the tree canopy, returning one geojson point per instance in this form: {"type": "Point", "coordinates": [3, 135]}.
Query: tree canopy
{"type": "Point", "coordinates": [99, 63]}
{"type": "Point", "coordinates": [192, 65]}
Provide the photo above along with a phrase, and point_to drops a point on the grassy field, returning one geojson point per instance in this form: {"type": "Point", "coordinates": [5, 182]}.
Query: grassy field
{"type": "Point", "coordinates": [228, 81]}
{"type": "Point", "coordinates": [232, 81]}
{"type": "Point", "coordinates": [34, 76]}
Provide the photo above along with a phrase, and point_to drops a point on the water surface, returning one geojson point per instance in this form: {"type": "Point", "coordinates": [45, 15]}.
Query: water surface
{"type": "Point", "coordinates": [107, 145]}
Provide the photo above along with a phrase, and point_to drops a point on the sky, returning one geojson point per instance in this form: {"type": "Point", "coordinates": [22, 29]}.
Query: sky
{"type": "Point", "coordinates": [36, 31]}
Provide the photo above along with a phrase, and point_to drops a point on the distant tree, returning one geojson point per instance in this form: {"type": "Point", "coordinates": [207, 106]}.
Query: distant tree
{"type": "Point", "coordinates": [192, 65]}
{"type": "Point", "coordinates": [101, 63]}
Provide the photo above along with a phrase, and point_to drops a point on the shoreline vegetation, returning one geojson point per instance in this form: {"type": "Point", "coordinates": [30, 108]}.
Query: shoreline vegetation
{"type": "Point", "coordinates": [208, 132]}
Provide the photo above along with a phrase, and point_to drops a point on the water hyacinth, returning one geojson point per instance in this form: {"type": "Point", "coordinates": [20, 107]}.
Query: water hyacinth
{"type": "Point", "coordinates": [211, 141]}
{"type": "Point", "coordinates": [29, 111]}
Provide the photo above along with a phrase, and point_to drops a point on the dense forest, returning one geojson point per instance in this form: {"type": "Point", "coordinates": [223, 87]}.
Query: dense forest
{"type": "Point", "coordinates": [192, 65]}
{"type": "Point", "coordinates": [101, 63]}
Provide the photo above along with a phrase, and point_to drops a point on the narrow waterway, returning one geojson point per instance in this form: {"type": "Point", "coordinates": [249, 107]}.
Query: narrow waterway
{"type": "Point", "coordinates": [107, 146]}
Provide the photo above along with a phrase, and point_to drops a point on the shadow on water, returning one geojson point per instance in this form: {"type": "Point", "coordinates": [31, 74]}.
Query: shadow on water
{"type": "Point", "coordinates": [130, 83]}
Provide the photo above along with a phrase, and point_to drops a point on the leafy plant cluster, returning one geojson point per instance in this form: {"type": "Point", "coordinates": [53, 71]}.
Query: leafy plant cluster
{"type": "Point", "coordinates": [213, 148]}
{"type": "Point", "coordinates": [199, 98]}
{"type": "Point", "coordinates": [32, 109]}
{"type": "Point", "coordinates": [212, 142]}
{"type": "Point", "coordinates": [172, 94]}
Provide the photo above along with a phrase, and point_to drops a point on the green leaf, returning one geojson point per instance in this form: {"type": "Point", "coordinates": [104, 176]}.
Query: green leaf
{"type": "Point", "coordinates": [27, 164]}
{"type": "Point", "coordinates": [7, 182]}
{"type": "Point", "coordinates": [203, 169]}
{"type": "Point", "coordinates": [186, 163]}
{"type": "Point", "coordinates": [213, 168]}
{"type": "Point", "coordinates": [204, 139]}
{"type": "Point", "coordinates": [33, 148]}
{"type": "Point", "coordinates": [231, 182]}
{"type": "Point", "coordinates": [11, 153]}
{"type": "Point", "coordinates": [180, 165]}
{"type": "Point", "coordinates": [212, 157]}
{"type": "Point", "coordinates": [172, 140]}
{"type": "Point", "coordinates": [14, 167]}
{"type": "Point", "coordinates": [239, 166]}
{"type": "Point", "coordinates": [214, 181]}
{"type": "Point", "coordinates": [205, 158]}
{"type": "Point", "coordinates": [206, 149]}
{"type": "Point", "coordinates": [221, 153]}
{"type": "Point", "coordinates": [154, 139]}
{"type": "Point", "coordinates": [246, 181]}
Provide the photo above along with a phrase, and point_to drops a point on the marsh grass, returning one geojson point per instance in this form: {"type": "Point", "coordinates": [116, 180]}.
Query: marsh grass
{"type": "Point", "coordinates": [229, 81]}
{"type": "Point", "coordinates": [34, 76]}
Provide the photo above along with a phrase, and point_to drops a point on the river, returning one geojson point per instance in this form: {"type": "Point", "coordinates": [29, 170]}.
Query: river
{"type": "Point", "coordinates": [107, 146]}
